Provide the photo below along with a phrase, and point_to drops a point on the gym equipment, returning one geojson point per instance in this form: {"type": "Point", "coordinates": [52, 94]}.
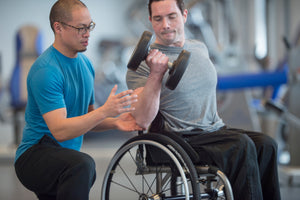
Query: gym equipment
{"type": "Point", "coordinates": [28, 48]}
{"type": "Point", "coordinates": [251, 80]}
{"type": "Point", "coordinates": [176, 69]}
{"type": "Point", "coordinates": [161, 166]}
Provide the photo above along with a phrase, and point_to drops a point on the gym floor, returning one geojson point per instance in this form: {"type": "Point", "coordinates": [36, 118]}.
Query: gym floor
{"type": "Point", "coordinates": [101, 146]}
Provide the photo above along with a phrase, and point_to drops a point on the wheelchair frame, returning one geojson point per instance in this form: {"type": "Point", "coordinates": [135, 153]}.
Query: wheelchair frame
{"type": "Point", "coordinates": [169, 175]}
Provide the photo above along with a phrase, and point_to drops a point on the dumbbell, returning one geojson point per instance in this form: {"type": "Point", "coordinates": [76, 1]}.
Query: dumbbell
{"type": "Point", "coordinates": [176, 69]}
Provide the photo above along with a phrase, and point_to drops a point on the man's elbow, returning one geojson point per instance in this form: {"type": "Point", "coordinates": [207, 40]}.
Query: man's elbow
{"type": "Point", "coordinates": [59, 137]}
{"type": "Point", "coordinates": [143, 123]}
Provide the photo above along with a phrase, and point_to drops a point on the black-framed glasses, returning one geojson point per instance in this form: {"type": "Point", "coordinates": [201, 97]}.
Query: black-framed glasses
{"type": "Point", "coordinates": [82, 30]}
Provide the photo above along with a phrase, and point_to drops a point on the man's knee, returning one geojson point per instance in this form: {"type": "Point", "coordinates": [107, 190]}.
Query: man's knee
{"type": "Point", "coordinates": [270, 142]}
{"type": "Point", "coordinates": [78, 178]}
{"type": "Point", "coordinates": [267, 149]}
{"type": "Point", "coordinates": [83, 167]}
{"type": "Point", "coordinates": [258, 142]}
{"type": "Point", "coordinates": [266, 143]}
{"type": "Point", "coordinates": [246, 142]}
{"type": "Point", "coordinates": [87, 165]}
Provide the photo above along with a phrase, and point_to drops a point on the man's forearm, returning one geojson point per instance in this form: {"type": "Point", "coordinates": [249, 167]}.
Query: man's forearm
{"type": "Point", "coordinates": [148, 102]}
{"type": "Point", "coordinates": [63, 128]}
{"type": "Point", "coordinates": [106, 124]}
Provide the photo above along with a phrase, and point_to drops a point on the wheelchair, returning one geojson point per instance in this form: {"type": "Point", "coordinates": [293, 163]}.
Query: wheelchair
{"type": "Point", "coordinates": [155, 166]}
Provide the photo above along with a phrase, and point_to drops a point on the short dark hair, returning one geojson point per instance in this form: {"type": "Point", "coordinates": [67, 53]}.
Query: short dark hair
{"type": "Point", "coordinates": [61, 11]}
{"type": "Point", "coordinates": [179, 3]}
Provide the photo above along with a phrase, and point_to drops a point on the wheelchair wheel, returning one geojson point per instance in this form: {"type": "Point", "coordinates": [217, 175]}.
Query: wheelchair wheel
{"type": "Point", "coordinates": [131, 175]}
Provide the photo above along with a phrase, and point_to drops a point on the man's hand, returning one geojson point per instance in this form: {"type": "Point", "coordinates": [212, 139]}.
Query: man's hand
{"type": "Point", "coordinates": [118, 104]}
{"type": "Point", "coordinates": [157, 62]}
{"type": "Point", "coordinates": [126, 122]}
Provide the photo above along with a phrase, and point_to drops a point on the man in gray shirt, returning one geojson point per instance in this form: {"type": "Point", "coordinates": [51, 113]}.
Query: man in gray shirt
{"type": "Point", "coordinates": [249, 159]}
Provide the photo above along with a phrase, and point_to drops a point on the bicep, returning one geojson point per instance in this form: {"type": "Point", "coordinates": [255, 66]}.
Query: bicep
{"type": "Point", "coordinates": [138, 78]}
{"type": "Point", "coordinates": [54, 118]}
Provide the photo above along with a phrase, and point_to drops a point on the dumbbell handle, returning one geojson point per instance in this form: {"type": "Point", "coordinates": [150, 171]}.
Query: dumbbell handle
{"type": "Point", "coordinates": [170, 65]}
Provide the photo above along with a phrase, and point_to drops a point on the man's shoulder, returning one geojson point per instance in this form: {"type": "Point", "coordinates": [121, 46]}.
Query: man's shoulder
{"type": "Point", "coordinates": [45, 64]}
{"type": "Point", "coordinates": [46, 57]}
{"type": "Point", "coordinates": [194, 43]}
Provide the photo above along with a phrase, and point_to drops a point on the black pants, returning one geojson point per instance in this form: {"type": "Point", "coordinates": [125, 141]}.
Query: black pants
{"type": "Point", "coordinates": [53, 172]}
{"type": "Point", "coordinates": [249, 159]}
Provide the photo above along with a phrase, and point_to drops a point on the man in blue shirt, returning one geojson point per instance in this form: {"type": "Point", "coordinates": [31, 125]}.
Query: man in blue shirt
{"type": "Point", "coordinates": [60, 111]}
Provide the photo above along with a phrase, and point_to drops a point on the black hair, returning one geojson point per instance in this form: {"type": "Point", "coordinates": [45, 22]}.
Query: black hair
{"type": "Point", "coordinates": [179, 3]}
{"type": "Point", "coordinates": [61, 11]}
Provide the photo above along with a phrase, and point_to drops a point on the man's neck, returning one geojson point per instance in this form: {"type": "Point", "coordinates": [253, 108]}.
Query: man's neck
{"type": "Point", "coordinates": [64, 50]}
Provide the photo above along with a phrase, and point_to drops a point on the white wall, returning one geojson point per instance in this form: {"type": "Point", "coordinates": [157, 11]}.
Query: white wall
{"type": "Point", "coordinates": [108, 15]}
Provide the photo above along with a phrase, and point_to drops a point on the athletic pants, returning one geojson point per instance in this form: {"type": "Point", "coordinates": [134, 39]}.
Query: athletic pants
{"type": "Point", "coordinates": [249, 160]}
{"type": "Point", "coordinates": [53, 172]}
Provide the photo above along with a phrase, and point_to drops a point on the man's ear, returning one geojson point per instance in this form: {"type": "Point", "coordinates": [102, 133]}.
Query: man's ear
{"type": "Point", "coordinates": [57, 26]}
{"type": "Point", "coordinates": [185, 14]}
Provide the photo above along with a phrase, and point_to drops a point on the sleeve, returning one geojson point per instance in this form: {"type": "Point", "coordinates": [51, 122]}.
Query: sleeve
{"type": "Point", "coordinates": [47, 90]}
{"type": "Point", "coordinates": [92, 101]}
{"type": "Point", "coordinates": [92, 70]}
{"type": "Point", "coordinates": [138, 78]}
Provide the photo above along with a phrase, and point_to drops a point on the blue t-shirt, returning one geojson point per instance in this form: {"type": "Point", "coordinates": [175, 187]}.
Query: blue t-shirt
{"type": "Point", "coordinates": [56, 81]}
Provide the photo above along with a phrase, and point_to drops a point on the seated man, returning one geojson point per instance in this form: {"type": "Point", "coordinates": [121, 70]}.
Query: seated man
{"type": "Point", "coordinates": [249, 159]}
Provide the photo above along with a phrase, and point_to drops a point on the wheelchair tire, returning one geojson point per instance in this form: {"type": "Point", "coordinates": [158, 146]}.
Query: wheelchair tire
{"type": "Point", "coordinates": [128, 175]}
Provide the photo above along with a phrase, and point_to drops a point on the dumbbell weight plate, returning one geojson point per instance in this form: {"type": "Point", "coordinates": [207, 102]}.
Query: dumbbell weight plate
{"type": "Point", "coordinates": [177, 70]}
{"type": "Point", "coordinates": [141, 50]}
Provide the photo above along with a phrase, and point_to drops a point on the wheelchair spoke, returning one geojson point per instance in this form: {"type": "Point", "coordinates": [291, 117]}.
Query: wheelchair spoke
{"type": "Point", "coordinates": [139, 164]}
{"type": "Point", "coordinates": [128, 178]}
{"type": "Point", "coordinates": [167, 184]}
{"type": "Point", "coordinates": [149, 186]}
{"type": "Point", "coordinates": [123, 186]}
{"type": "Point", "coordinates": [158, 170]}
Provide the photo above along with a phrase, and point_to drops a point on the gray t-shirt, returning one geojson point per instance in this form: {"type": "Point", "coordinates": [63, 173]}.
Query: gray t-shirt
{"type": "Point", "coordinates": [192, 105]}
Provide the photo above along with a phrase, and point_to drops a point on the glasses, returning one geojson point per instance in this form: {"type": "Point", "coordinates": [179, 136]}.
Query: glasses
{"type": "Point", "coordinates": [82, 30]}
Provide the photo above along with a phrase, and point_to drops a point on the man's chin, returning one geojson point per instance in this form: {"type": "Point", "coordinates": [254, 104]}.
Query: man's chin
{"type": "Point", "coordinates": [168, 41]}
{"type": "Point", "coordinates": [169, 38]}
{"type": "Point", "coordinates": [82, 50]}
